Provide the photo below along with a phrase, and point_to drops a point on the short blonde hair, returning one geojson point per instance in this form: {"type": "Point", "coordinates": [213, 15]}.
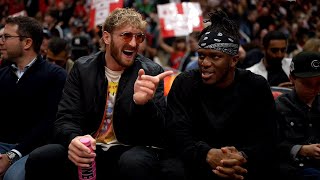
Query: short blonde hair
{"type": "Point", "coordinates": [312, 44]}
{"type": "Point", "coordinates": [122, 17]}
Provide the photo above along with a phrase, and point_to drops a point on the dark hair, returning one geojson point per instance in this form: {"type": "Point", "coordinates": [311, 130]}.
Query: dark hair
{"type": "Point", "coordinates": [57, 45]}
{"type": "Point", "coordinates": [180, 39]}
{"type": "Point", "coordinates": [273, 35]}
{"type": "Point", "coordinates": [28, 27]}
{"type": "Point", "coordinates": [220, 22]}
{"type": "Point", "coordinates": [195, 34]}
{"type": "Point", "coordinates": [53, 13]}
{"type": "Point", "coordinates": [46, 33]}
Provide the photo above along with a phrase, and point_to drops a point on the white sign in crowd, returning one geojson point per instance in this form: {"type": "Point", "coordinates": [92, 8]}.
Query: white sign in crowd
{"type": "Point", "coordinates": [180, 19]}
{"type": "Point", "coordinates": [176, 19]}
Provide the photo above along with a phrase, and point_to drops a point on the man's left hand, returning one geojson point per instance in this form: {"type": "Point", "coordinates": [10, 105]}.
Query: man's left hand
{"type": "Point", "coordinates": [146, 86]}
{"type": "Point", "coordinates": [231, 167]}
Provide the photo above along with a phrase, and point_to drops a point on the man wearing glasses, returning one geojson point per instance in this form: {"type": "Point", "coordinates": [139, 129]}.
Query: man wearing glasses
{"type": "Point", "coordinates": [1, 59]}
{"type": "Point", "coordinates": [274, 66]}
{"type": "Point", "coordinates": [115, 98]}
{"type": "Point", "coordinates": [30, 89]}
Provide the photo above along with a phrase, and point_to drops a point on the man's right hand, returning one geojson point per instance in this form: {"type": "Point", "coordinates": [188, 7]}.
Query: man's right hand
{"type": "Point", "coordinates": [4, 164]}
{"type": "Point", "coordinates": [80, 154]}
{"type": "Point", "coordinates": [310, 150]}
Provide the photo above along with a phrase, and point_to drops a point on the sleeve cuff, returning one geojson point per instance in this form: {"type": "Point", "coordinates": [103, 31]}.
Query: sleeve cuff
{"type": "Point", "coordinates": [244, 154]}
{"type": "Point", "coordinates": [17, 152]}
{"type": "Point", "coordinates": [294, 151]}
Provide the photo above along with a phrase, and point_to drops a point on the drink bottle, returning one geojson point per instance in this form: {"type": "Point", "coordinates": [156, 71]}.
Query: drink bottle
{"type": "Point", "coordinates": [90, 172]}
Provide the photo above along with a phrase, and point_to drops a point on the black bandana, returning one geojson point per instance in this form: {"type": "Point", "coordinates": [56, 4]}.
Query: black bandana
{"type": "Point", "coordinates": [219, 42]}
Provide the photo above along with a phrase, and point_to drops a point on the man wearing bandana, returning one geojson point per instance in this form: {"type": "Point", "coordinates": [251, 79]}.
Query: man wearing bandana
{"type": "Point", "coordinates": [221, 120]}
{"type": "Point", "coordinates": [274, 66]}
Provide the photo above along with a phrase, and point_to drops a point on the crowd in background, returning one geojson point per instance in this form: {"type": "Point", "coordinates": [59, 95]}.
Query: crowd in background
{"type": "Point", "coordinates": [69, 19]}
{"type": "Point", "coordinates": [273, 37]}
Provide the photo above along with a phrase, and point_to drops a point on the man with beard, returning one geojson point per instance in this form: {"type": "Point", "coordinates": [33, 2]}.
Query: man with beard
{"type": "Point", "coordinates": [221, 120]}
{"type": "Point", "coordinates": [3, 63]}
{"type": "Point", "coordinates": [58, 53]}
{"type": "Point", "coordinates": [114, 98]}
{"type": "Point", "coordinates": [30, 90]}
{"type": "Point", "coordinates": [274, 66]}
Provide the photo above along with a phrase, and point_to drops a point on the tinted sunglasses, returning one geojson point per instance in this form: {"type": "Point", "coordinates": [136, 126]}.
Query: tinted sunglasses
{"type": "Point", "coordinates": [127, 37]}
{"type": "Point", "coordinates": [275, 50]}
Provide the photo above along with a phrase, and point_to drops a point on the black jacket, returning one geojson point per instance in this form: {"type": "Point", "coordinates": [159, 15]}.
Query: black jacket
{"type": "Point", "coordinates": [28, 107]}
{"type": "Point", "coordinates": [82, 106]}
{"type": "Point", "coordinates": [300, 125]}
{"type": "Point", "coordinates": [201, 117]}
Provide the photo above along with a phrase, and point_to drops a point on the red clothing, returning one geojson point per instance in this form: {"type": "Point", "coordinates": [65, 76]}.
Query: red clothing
{"type": "Point", "coordinates": [15, 6]}
{"type": "Point", "coordinates": [175, 59]}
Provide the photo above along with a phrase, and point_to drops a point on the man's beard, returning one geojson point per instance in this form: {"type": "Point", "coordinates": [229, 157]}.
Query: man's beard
{"type": "Point", "coordinates": [274, 63]}
{"type": "Point", "coordinates": [115, 53]}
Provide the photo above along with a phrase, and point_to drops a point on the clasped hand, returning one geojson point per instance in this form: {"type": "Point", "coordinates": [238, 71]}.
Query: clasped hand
{"type": "Point", "coordinates": [227, 162]}
{"type": "Point", "coordinates": [310, 150]}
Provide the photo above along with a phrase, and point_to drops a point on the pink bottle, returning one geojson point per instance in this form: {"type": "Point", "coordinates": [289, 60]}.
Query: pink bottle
{"type": "Point", "coordinates": [90, 172]}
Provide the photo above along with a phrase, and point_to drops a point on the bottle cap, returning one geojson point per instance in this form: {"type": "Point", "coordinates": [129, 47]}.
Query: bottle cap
{"type": "Point", "coordinates": [85, 141]}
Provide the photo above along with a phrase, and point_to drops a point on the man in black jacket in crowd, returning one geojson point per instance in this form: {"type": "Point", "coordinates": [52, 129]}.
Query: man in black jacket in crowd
{"type": "Point", "coordinates": [30, 90]}
{"type": "Point", "coordinates": [115, 98]}
{"type": "Point", "coordinates": [299, 150]}
{"type": "Point", "coordinates": [220, 119]}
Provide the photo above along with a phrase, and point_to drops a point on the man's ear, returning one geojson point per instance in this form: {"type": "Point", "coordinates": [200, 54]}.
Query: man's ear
{"type": "Point", "coordinates": [292, 78]}
{"type": "Point", "coordinates": [234, 60]}
{"type": "Point", "coordinates": [28, 43]}
{"type": "Point", "coordinates": [106, 37]}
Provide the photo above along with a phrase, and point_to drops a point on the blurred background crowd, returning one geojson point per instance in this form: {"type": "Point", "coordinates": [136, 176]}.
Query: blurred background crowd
{"type": "Point", "coordinates": [69, 20]}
